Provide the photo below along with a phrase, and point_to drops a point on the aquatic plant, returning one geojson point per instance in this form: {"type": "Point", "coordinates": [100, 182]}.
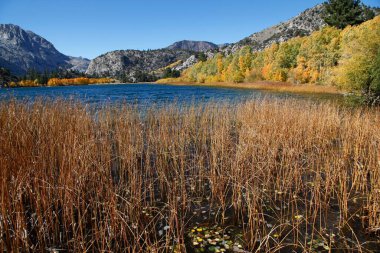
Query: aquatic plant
{"type": "Point", "coordinates": [289, 175]}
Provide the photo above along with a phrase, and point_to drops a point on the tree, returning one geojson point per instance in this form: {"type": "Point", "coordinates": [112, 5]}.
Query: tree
{"type": "Point", "coordinates": [201, 56]}
{"type": "Point", "coordinates": [6, 77]}
{"type": "Point", "coordinates": [140, 76]}
{"type": "Point", "coordinates": [358, 69]}
{"type": "Point", "coordinates": [171, 73]}
{"type": "Point", "coordinates": [220, 64]}
{"type": "Point", "coordinates": [375, 70]}
{"type": "Point", "coordinates": [341, 13]}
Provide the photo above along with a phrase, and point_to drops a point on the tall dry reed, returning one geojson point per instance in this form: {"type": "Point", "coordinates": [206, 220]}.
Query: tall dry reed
{"type": "Point", "coordinates": [294, 175]}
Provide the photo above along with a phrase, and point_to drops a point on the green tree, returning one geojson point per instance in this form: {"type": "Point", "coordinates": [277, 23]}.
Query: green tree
{"type": "Point", "coordinates": [359, 69]}
{"type": "Point", "coordinates": [171, 73]}
{"type": "Point", "coordinates": [341, 13]}
{"type": "Point", "coordinates": [201, 56]}
{"type": "Point", "coordinates": [6, 77]}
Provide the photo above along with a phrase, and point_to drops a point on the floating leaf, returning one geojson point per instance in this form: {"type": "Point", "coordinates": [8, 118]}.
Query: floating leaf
{"type": "Point", "coordinates": [212, 249]}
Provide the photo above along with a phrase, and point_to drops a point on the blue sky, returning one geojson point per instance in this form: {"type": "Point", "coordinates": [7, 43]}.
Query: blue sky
{"type": "Point", "coordinates": [91, 27]}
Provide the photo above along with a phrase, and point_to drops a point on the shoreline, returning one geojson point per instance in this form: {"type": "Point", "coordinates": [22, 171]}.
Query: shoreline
{"type": "Point", "coordinates": [260, 85]}
{"type": "Point", "coordinates": [267, 85]}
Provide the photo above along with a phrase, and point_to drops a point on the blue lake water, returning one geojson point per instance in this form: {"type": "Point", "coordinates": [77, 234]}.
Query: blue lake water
{"type": "Point", "coordinates": [144, 94]}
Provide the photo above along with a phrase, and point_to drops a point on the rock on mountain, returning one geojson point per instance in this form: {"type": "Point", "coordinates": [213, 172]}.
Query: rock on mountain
{"type": "Point", "coordinates": [301, 25]}
{"type": "Point", "coordinates": [21, 50]}
{"type": "Point", "coordinates": [187, 63]}
{"type": "Point", "coordinates": [79, 63]}
{"type": "Point", "coordinates": [196, 46]}
{"type": "Point", "coordinates": [129, 62]}
{"type": "Point", "coordinates": [224, 45]}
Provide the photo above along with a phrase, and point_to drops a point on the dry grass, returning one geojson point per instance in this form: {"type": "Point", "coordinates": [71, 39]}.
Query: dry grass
{"type": "Point", "coordinates": [291, 175]}
{"type": "Point", "coordinates": [264, 85]}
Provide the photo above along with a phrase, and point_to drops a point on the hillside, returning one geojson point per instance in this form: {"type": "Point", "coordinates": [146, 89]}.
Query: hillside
{"type": "Point", "coordinates": [196, 46]}
{"type": "Point", "coordinates": [22, 50]}
{"type": "Point", "coordinates": [114, 64]}
{"type": "Point", "coordinates": [301, 25]}
{"type": "Point", "coordinates": [346, 58]}
{"type": "Point", "coordinates": [130, 63]}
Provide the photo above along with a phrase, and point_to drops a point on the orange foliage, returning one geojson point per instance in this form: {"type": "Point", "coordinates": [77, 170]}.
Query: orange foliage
{"type": "Point", "coordinates": [27, 83]}
{"type": "Point", "coordinates": [266, 71]}
{"type": "Point", "coordinates": [77, 81]}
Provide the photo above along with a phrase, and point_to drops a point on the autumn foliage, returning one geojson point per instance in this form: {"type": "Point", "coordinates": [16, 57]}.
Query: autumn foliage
{"type": "Point", "coordinates": [25, 83]}
{"type": "Point", "coordinates": [61, 82]}
{"type": "Point", "coordinates": [77, 81]}
{"type": "Point", "coordinates": [345, 58]}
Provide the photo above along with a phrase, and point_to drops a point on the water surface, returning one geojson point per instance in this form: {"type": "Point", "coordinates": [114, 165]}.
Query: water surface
{"type": "Point", "coordinates": [146, 94]}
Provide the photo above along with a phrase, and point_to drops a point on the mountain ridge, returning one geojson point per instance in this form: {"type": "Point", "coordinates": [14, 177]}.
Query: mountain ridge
{"type": "Point", "coordinates": [191, 45]}
{"type": "Point", "coordinates": [130, 63]}
{"type": "Point", "coordinates": [22, 50]}
{"type": "Point", "coordinates": [303, 24]}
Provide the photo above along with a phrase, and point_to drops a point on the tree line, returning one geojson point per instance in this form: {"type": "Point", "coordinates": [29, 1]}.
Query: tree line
{"type": "Point", "coordinates": [348, 58]}
{"type": "Point", "coordinates": [60, 77]}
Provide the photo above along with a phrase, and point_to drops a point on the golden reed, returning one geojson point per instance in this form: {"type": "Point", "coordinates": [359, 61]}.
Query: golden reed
{"type": "Point", "coordinates": [294, 175]}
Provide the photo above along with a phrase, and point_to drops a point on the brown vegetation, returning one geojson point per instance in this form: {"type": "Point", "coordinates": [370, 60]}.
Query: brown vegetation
{"type": "Point", "coordinates": [61, 82]}
{"type": "Point", "coordinates": [289, 174]}
{"type": "Point", "coordinates": [77, 81]}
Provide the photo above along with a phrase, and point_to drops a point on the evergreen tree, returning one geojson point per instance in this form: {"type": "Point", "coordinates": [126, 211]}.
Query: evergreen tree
{"type": "Point", "coordinates": [171, 73]}
{"type": "Point", "coordinates": [6, 77]}
{"type": "Point", "coordinates": [201, 56]}
{"type": "Point", "coordinates": [341, 13]}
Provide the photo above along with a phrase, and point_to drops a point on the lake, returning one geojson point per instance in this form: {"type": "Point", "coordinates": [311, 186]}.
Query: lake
{"type": "Point", "coordinates": [147, 94]}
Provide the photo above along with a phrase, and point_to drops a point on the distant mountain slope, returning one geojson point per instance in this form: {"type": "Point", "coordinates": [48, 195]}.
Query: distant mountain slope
{"type": "Point", "coordinates": [129, 62]}
{"type": "Point", "coordinates": [303, 24]}
{"type": "Point", "coordinates": [21, 50]}
{"type": "Point", "coordinates": [196, 46]}
{"type": "Point", "coordinates": [79, 63]}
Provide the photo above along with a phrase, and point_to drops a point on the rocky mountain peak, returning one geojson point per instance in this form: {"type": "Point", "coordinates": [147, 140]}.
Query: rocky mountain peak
{"type": "Point", "coordinates": [303, 24]}
{"type": "Point", "coordinates": [22, 50]}
{"type": "Point", "coordinates": [130, 63]}
{"type": "Point", "coordinates": [15, 35]}
{"type": "Point", "coordinates": [196, 46]}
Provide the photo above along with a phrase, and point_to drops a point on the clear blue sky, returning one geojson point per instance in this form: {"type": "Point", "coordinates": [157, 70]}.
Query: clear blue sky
{"type": "Point", "coordinates": [91, 27]}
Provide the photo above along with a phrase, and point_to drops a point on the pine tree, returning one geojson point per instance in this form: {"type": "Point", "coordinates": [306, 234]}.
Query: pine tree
{"type": "Point", "coordinates": [341, 13]}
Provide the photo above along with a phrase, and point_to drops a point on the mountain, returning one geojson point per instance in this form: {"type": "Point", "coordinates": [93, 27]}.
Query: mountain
{"type": "Point", "coordinates": [196, 46]}
{"type": "Point", "coordinates": [130, 63]}
{"type": "Point", "coordinates": [182, 54]}
{"type": "Point", "coordinates": [301, 25]}
{"type": "Point", "coordinates": [78, 63]}
{"type": "Point", "coordinates": [22, 50]}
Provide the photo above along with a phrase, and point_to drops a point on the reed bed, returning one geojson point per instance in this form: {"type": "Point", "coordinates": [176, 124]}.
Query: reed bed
{"type": "Point", "coordinates": [290, 175]}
